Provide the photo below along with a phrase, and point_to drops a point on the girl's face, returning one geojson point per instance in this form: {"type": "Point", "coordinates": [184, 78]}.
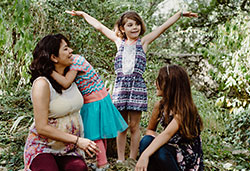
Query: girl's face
{"type": "Point", "coordinates": [65, 54]}
{"type": "Point", "coordinates": [159, 92]}
{"type": "Point", "coordinates": [132, 29]}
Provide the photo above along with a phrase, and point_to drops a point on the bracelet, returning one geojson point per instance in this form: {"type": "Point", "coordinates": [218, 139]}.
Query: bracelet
{"type": "Point", "coordinates": [75, 145]}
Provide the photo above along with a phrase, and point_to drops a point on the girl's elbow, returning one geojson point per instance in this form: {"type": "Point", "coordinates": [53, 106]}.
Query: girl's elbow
{"type": "Point", "coordinates": [66, 86]}
{"type": "Point", "coordinates": [99, 27]}
{"type": "Point", "coordinates": [41, 130]}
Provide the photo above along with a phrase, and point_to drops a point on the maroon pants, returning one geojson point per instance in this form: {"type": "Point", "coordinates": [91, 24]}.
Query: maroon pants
{"type": "Point", "coordinates": [49, 162]}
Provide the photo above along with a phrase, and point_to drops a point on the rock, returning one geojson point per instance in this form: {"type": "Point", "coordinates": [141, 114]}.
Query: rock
{"type": "Point", "coordinates": [198, 69]}
{"type": "Point", "coordinates": [3, 168]}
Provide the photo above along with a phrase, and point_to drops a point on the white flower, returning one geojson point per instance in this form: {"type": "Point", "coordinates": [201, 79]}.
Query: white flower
{"type": "Point", "coordinates": [227, 166]}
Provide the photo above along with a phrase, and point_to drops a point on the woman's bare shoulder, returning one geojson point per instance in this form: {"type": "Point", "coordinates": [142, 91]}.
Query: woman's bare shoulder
{"type": "Point", "coordinates": [40, 83]}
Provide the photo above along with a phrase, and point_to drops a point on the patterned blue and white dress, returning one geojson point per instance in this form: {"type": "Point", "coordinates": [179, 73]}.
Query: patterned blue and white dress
{"type": "Point", "coordinates": [130, 91]}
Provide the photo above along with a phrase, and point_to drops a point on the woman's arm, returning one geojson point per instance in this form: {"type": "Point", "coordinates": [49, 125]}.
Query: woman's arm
{"type": "Point", "coordinates": [66, 80]}
{"type": "Point", "coordinates": [147, 39]}
{"type": "Point", "coordinates": [158, 142]}
{"type": "Point", "coordinates": [154, 120]}
{"type": "Point", "coordinates": [96, 24]}
{"type": "Point", "coordinates": [41, 99]}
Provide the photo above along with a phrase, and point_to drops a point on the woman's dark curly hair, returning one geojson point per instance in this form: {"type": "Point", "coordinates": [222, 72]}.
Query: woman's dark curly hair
{"type": "Point", "coordinates": [42, 64]}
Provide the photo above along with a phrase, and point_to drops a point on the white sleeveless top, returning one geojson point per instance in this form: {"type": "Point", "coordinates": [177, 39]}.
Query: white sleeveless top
{"type": "Point", "coordinates": [128, 59]}
{"type": "Point", "coordinates": [70, 101]}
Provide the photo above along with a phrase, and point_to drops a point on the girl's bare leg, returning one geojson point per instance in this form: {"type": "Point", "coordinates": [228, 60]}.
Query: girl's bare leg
{"type": "Point", "coordinates": [121, 139]}
{"type": "Point", "coordinates": [135, 117]}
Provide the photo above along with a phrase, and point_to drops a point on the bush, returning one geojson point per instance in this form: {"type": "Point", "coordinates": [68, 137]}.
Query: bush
{"type": "Point", "coordinates": [229, 54]}
{"type": "Point", "coordinates": [238, 128]}
{"type": "Point", "coordinates": [15, 118]}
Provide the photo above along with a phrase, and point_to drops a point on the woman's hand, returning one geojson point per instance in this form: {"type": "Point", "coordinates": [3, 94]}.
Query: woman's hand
{"type": "Point", "coordinates": [142, 163]}
{"type": "Point", "coordinates": [88, 146]}
{"type": "Point", "coordinates": [75, 13]}
{"type": "Point", "coordinates": [189, 14]}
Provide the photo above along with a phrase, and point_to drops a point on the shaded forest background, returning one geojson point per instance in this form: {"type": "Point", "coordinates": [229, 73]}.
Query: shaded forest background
{"type": "Point", "coordinates": [214, 48]}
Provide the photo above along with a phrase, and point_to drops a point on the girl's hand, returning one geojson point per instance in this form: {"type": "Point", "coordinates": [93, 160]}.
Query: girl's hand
{"type": "Point", "coordinates": [75, 13]}
{"type": "Point", "coordinates": [142, 163]}
{"type": "Point", "coordinates": [189, 14]}
{"type": "Point", "coordinates": [88, 146]}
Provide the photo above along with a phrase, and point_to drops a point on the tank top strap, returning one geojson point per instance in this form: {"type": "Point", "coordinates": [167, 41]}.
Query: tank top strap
{"type": "Point", "coordinates": [121, 47]}
{"type": "Point", "coordinates": [123, 43]}
{"type": "Point", "coordinates": [138, 42]}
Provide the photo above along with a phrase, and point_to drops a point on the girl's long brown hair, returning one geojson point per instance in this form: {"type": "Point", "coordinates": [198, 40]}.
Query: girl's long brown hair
{"type": "Point", "coordinates": [177, 99]}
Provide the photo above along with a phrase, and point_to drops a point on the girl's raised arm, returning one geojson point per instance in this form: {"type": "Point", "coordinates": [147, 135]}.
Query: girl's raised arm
{"type": "Point", "coordinates": [96, 24]}
{"type": "Point", "coordinates": [147, 39]}
{"type": "Point", "coordinates": [66, 80]}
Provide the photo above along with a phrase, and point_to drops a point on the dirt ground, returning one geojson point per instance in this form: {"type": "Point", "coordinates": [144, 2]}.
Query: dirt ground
{"type": "Point", "coordinates": [128, 165]}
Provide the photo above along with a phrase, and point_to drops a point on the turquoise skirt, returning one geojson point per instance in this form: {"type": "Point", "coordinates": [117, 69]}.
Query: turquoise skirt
{"type": "Point", "coordinates": [101, 120]}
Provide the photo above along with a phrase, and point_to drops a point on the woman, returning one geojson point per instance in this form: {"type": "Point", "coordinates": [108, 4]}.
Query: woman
{"type": "Point", "coordinates": [54, 141]}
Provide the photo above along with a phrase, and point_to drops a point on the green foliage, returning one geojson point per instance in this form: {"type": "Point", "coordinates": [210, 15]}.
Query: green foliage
{"type": "Point", "coordinates": [238, 129]}
{"type": "Point", "coordinates": [15, 119]}
{"type": "Point", "coordinates": [16, 42]}
{"type": "Point", "coordinates": [230, 53]}
{"type": "Point", "coordinates": [192, 36]}
{"type": "Point", "coordinates": [218, 149]}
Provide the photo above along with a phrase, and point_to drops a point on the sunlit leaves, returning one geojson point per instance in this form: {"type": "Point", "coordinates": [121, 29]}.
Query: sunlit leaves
{"type": "Point", "coordinates": [16, 42]}
{"type": "Point", "coordinates": [230, 52]}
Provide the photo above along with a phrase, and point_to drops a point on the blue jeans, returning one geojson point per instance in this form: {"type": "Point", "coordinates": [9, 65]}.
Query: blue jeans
{"type": "Point", "coordinates": [163, 159]}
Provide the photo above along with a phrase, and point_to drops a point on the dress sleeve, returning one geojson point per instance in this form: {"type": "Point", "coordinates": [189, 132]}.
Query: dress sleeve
{"type": "Point", "coordinates": [79, 64]}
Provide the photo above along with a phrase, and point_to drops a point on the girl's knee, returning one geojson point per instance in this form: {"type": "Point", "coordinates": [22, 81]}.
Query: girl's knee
{"type": "Point", "coordinates": [165, 153]}
{"type": "Point", "coordinates": [145, 142]}
{"type": "Point", "coordinates": [134, 123]}
{"type": "Point", "coordinates": [147, 139]}
{"type": "Point", "coordinates": [134, 128]}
